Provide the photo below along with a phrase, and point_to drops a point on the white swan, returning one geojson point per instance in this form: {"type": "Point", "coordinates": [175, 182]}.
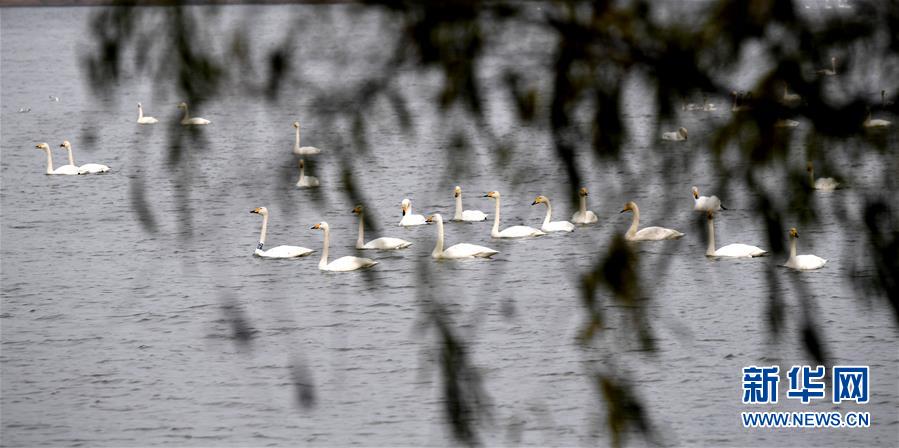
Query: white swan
{"type": "Point", "coordinates": [790, 99]}
{"type": "Point", "coordinates": [875, 123]}
{"type": "Point", "coordinates": [69, 170]}
{"type": "Point", "coordinates": [802, 262]}
{"type": "Point", "coordinates": [675, 136]}
{"type": "Point", "coordinates": [649, 233]}
{"type": "Point", "coordinates": [509, 232]}
{"type": "Point", "coordinates": [187, 120]}
{"type": "Point", "coordinates": [706, 203]}
{"type": "Point", "coordinates": [302, 150]}
{"type": "Point", "coordinates": [466, 215]}
{"type": "Point", "coordinates": [736, 250]}
{"type": "Point", "coordinates": [786, 123]}
{"type": "Point", "coordinates": [829, 71]}
{"type": "Point", "coordinates": [824, 183]}
{"type": "Point", "coordinates": [342, 264]}
{"type": "Point", "coordinates": [583, 216]}
{"type": "Point", "coordinates": [87, 168]}
{"type": "Point", "coordinates": [141, 119]}
{"type": "Point", "coordinates": [279, 251]}
{"type": "Point", "coordinates": [410, 219]}
{"type": "Point", "coordinates": [456, 251]}
{"type": "Point", "coordinates": [548, 224]}
{"type": "Point", "coordinates": [383, 243]}
{"type": "Point", "coordinates": [304, 180]}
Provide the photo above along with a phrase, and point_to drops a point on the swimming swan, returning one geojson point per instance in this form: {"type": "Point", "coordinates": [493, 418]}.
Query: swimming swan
{"type": "Point", "coordinates": [141, 119]}
{"type": "Point", "coordinates": [790, 99]}
{"type": "Point", "coordinates": [87, 168]}
{"type": "Point", "coordinates": [649, 233]}
{"type": "Point", "coordinates": [342, 264]}
{"type": "Point", "coordinates": [802, 262]}
{"type": "Point", "coordinates": [410, 219]}
{"type": "Point", "coordinates": [383, 243]}
{"type": "Point", "coordinates": [706, 203]}
{"type": "Point", "coordinates": [736, 250]}
{"type": "Point", "coordinates": [548, 224]}
{"type": "Point", "coordinates": [302, 150]}
{"type": "Point", "coordinates": [824, 183]}
{"type": "Point", "coordinates": [456, 251]}
{"type": "Point", "coordinates": [187, 120]}
{"type": "Point", "coordinates": [279, 251]}
{"type": "Point", "coordinates": [786, 123]}
{"type": "Point", "coordinates": [829, 71]}
{"type": "Point", "coordinates": [875, 123]}
{"type": "Point", "coordinates": [583, 216]}
{"type": "Point", "coordinates": [306, 181]}
{"type": "Point", "coordinates": [68, 170]}
{"type": "Point", "coordinates": [509, 232]}
{"type": "Point", "coordinates": [466, 215]}
{"type": "Point", "coordinates": [675, 136]}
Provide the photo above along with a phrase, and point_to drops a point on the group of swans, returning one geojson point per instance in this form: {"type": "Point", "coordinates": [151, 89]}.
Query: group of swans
{"type": "Point", "coordinates": [70, 169]}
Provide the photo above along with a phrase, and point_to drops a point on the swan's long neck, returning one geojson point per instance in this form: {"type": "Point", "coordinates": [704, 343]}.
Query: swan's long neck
{"type": "Point", "coordinates": [324, 260]}
{"type": "Point", "coordinates": [302, 171]}
{"type": "Point", "coordinates": [495, 230]}
{"type": "Point", "coordinates": [833, 66]}
{"type": "Point", "coordinates": [711, 249]}
{"type": "Point", "coordinates": [458, 215]}
{"type": "Point", "coordinates": [632, 230]}
{"type": "Point", "coordinates": [186, 114]}
{"type": "Point", "coordinates": [49, 163]}
{"type": "Point", "coordinates": [549, 213]}
{"type": "Point", "coordinates": [811, 177]}
{"type": "Point", "coordinates": [360, 242]}
{"type": "Point", "coordinates": [71, 157]}
{"type": "Point", "coordinates": [583, 205]}
{"type": "Point", "coordinates": [296, 143]}
{"type": "Point", "coordinates": [262, 233]}
{"type": "Point", "coordinates": [140, 112]}
{"type": "Point", "coordinates": [438, 249]}
{"type": "Point", "coordinates": [792, 248]}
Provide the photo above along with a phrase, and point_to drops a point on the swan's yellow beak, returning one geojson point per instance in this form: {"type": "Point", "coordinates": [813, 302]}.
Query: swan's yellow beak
{"type": "Point", "coordinates": [430, 218]}
{"type": "Point", "coordinates": [316, 226]}
{"type": "Point", "coordinates": [357, 209]}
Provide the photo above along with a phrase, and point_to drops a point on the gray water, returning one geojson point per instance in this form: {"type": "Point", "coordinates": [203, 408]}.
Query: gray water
{"type": "Point", "coordinates": [113, 335]}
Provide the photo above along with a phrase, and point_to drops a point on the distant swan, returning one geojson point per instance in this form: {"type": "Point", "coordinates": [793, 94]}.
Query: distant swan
{"type": "Point", "coordinates": [649, 233]}
{"type": "Point", "coordinates": [829, 71]}
{"type": "Point", "coordinates": [675, 136]}
{"type": "Point", "coordinates": [786, 123]}
{"type": "Point", "coordinates": [509, 232]}
{"type": "Point", "coordinates": [141, 119]}
{"type": "Point", "coordinates": [548, 224]}
{"type": "Point", "coordinates": [302, 150]}
{"type": "Point", "coordinates": [583, 216]}
{"type": "Point", "coordinates": [410, 219]}
{"type": "Point", "coordinates": [736, 250]}
{"type": "Point", "coordinates": [187, 120]}
{"type": "Point", "coordinates": [342, 264]}
{"type": "Point", "coordinates": [788, 98]}
{"type": "Point", "coordinates": [875, 123]}
{"type": "Point", "coordinates": [70, 170]}
{"type": "Point", "coordinates": [706, 203]}
{"type": "Point", "coordinates": [802, 262]}
{"type": "Point", "coordinates": [279, 251]}
{"type": "Point", "coordinates": [383, 243]}
{"type": "Point", "coordinates": [456, 251]}
{"type": "Point", "coordinates": [466, 215]}
{"type": "Point", "coordinates": [87, 168]}
{"type": "Point", "coordinates": [824, 183]}
{"type": "Point", "coordinates": [306, 181]}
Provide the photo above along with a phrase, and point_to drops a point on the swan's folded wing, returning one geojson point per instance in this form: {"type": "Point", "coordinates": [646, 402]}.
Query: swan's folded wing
{"type": "Point", "coordinates": [738, 250]}
{"type": "Point", "coordinates": [350, 264]}
{"type": "Point", "coordinates": [809, 262]}
{"type": "Point", "coordinates": [306, 150]}
{"type": "Point", "coordinates": [387, 243]}
{"type": "Point", "coordinates": [285, 252]}
{"type": "Point", "coordinates": [657, 233]}
{"type": "Point", "coordinates": [474, 215]}
{"type": "Point", "coordinates": [465, 250]}
{"type": "Point", "coordinates": [519, 232]}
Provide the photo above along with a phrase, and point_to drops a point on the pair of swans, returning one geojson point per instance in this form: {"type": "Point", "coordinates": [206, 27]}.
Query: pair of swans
{"type": "Point", "coordinates": [456, 251]}
{"type": "Point", "coordinates": [409, 218]}
{"type": "Point", "coordinates": [279, 251]}
{"type": "Point", "coordinates": [71, 168]}
{"type": "Point", "coordinates": [706, 203]}
{"type": "Point", "coordinates": [383, 243]}
{"type": "Point", "coordinates": [583, 216]}
{"type": "Point", "coordinates": [675, 136]}
{"type": "Point", "coordinates": [466, 215]}
{"type": "Point", "coordinates": [802, 262]}
{"type": "Point", "coordinates": [141, 119]}
{"type": "Point", "coordinates": [736, 250]}
{"type": "Point", "coordinates": [306, 181]}
{"type": "Point", "coordinates": [824, 183]}
{"type": "Point", "coordinates": [548, 224]}
{"type": "Point", "coordinates": [648, 233]}
{"type": "Point", "coordinates": [302, 150]}
{"type": "Point", "coordinates": [187, 120]}
{"type": "Point", "coordinates": [509, 232]}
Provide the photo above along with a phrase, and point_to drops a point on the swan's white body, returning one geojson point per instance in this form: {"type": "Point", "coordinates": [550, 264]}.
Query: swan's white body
{"type": "Point", "coordinates": [302, 150]}
{"type": "Point", "coordinates": [802, 262]}
{"type": "Point", "coordinates": [383, 243]}
{"type": "Point", "coordinates": [279, 251]}
{"type": "Point", "coordinates": [583, 216]}
{"type": "Point", "coordinates": [548, 224]}
{"type": "Point", "coordinates": [648, 233]}
{"type": "Point", "coordinates": [509, 232]}
{"type": "Point", "coordinates": [824, 183]}
{"type": "Point", "coordinates": [306, 181]}
{"type": "Point", "coordinates": [736, 250]}
{"type": "Point", "coordinates": [67, 170]}
{"type": "Point", "coordinates": [187, 120]}
{"type": "Point", "coordinates": [675, 136]}
{"type": "Point", "coordinates": [410, 219]}
{"type": "Point", "coordinates": [786, 123]}
{"type": "Point", "coordinates": [877, 122]}
{"type": "Point", "coordinates": [706, 203]}
{"type": "Point", "coordinates": [342, 264]}
{"type": "Point", "coordinates": [466, 215]}
{"type": "Point", "coordinates": [87, 168]}
{"type": "Point", "coordinates": [141, 119]}
{"type": "Point", "coordinates": [457, 251]}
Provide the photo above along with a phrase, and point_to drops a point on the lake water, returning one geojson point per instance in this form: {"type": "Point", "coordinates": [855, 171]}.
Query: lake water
{"type": "Point", "coordinates": [114, 335]}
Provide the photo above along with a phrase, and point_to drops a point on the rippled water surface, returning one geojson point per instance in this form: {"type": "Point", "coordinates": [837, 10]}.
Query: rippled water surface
{"type": "Point", "coordinates": [114, 335]}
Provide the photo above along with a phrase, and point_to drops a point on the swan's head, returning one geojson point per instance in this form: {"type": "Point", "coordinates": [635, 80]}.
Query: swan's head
{"type": "Point", "coordinates": [492, 194]}
{"type": "Point", "coordinates": [434, 218]}
{"type": "Point", "coordinates": [540, 200]}
{"type": "Point", "coordinates": [182, 105]}
{"type": "Point", "coordinates": [457, 191]}
{"type": "Point", "coordinates": [683, 132]}
{"type": "Point", "coordinates": [260, 211]}
{"type": "Point", "coordinates": [406, 205]}
{"type": "Point", "coordinates": [695, 193]}
{"type": "Point", "coordinates": [302, 164]}
{"type": "Point", "coordinates": [630, 206]}
{"type": "Point", "coordinates": [320, 226]}
{"type": "Point", "coordinates": [582, 192]}
{"type": "Point", "coordinates": [357, 210]}
{"type": "Point", "coordinates": [65, 144]}
{"type": "Point", "coordinates": [43, 146]}
{"type": "Point", "coordinates": [710, 215]}
{"type": "Point", "coordinates": [139, 106]}
{"type": "Point", "coordinates": [793, 233]}
{"type": "Point", "coordinates": [296, 124]}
